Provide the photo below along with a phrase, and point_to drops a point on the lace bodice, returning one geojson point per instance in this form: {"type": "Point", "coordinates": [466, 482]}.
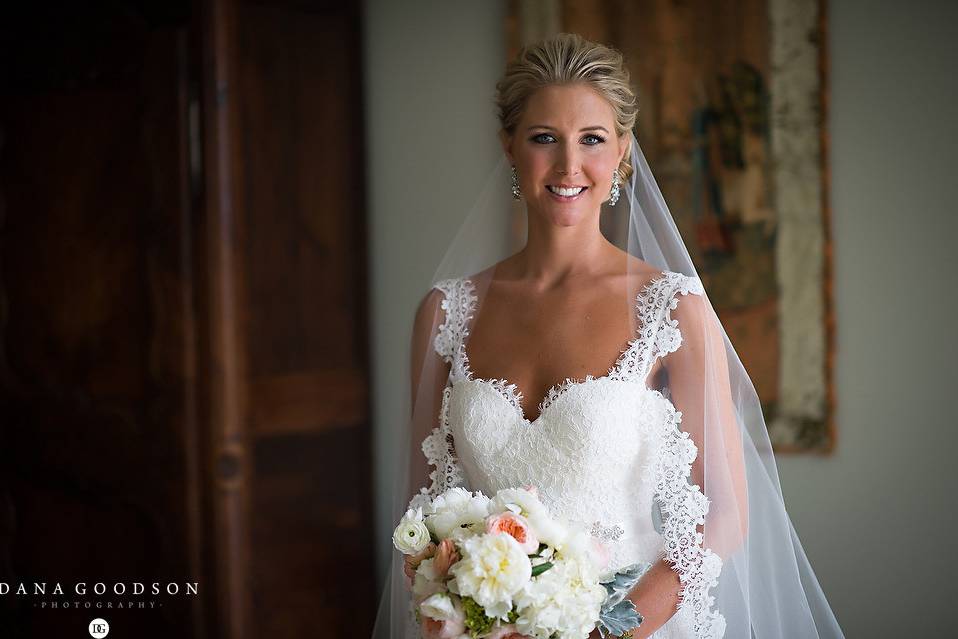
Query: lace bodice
{"type": "Point", "coordinates": [605, 451]}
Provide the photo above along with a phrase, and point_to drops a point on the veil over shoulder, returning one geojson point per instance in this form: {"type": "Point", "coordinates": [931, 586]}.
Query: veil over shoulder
{"type": "Point", "coordinates": [677, 463]}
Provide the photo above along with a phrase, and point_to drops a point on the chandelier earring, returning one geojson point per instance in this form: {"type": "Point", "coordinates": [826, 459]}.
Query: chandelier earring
{"type": "Point", "coordinates": [516, 193]}
{"type": "Point", "coordinates": [614, 194]}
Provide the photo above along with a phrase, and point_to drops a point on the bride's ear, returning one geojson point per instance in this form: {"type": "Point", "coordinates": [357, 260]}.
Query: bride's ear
{"type": "Point", "coordinates": [506, 141]}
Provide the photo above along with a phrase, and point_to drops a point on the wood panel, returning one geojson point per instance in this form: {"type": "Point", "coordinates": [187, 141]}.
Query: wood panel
{"type": "Point", "coordinates": [98, 429]}
{"type": "Point", "coordinates": [302, 140]}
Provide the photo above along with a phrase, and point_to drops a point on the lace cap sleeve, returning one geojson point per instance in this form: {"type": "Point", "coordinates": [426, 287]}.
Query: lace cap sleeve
{"type": "Point", "coordinates": [667, 337]}
{"type": "Point", "coordinates": [439, 446]}
{"type": "Point", "coordinates": [658, 334]}
{"type": "Point", "coordinates": [457, 305]}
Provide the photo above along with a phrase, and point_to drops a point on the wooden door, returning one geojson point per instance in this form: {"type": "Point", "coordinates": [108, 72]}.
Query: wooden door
{"type": "Point", "coordinates": [100, 442]}
{"type": "Point", "coordinates": [183, 360]}
{"type": "Point", "coordinates": [289, 135]}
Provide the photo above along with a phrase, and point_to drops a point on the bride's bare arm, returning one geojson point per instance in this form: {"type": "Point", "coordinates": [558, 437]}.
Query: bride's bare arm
{"type": "Point", "coordinates": [656, 598]}
{"type": "Point", "coordinates": [428, 373]}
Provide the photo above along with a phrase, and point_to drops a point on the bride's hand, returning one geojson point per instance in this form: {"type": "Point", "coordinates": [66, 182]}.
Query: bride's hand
{"type": "Point", "coordinates": [411, 562]}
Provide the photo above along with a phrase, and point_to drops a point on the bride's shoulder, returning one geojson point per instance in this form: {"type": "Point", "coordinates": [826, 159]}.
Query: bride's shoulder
{"type": "Point", "coordinates": [427, 312]}
{"type": "Point", "coordinates": [638, 272]}
{"type": "Point", "coordinates": [641, 270]}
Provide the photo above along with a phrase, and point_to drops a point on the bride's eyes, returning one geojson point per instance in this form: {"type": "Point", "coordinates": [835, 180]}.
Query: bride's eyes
{"type": "Point", "coordinates": [547, 138]}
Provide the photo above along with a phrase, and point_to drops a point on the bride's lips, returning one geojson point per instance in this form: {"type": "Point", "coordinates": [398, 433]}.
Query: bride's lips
{"type": "Point", "coordinates": [566, 198]}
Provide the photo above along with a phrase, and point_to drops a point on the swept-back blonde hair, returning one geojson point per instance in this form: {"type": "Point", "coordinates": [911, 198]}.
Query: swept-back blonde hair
{"type": "Point", "coordinates": [568, 58]}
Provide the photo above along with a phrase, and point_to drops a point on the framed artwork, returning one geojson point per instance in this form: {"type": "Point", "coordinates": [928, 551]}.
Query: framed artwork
{"type": "Point", "coordinates": [732, 103]}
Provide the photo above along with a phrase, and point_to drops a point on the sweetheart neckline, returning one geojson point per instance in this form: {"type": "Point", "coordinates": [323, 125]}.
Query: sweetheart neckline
{"type": "Point", "coordinates": [513, 395]}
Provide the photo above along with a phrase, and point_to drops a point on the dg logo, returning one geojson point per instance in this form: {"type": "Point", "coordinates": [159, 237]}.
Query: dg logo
{"type": "Point", "coordinates": [99, 628]}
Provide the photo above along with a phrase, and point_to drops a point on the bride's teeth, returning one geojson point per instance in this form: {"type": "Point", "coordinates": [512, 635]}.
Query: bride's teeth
{"type": "Point", "coordinates": [565, 192]}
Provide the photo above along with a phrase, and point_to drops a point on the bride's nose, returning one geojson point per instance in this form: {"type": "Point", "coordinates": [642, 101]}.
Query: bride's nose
{"type": "Point", "coordinates": [567, 160]}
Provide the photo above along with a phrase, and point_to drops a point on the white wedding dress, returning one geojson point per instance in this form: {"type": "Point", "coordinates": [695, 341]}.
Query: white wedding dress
{"type": "Point", "coordinates": [605, 451]}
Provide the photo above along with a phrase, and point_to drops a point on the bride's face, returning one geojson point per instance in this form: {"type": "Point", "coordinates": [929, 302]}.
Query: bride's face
{"type": "Point", "coordinates": [565, 150]}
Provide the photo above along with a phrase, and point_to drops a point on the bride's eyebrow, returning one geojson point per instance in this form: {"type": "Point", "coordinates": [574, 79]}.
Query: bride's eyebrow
{"type": "Point", "coordinates": [588, 128]}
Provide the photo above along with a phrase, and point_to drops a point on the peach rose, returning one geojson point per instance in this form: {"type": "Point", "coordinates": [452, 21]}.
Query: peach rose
{"type": "Point", "coordinates": [446, 556]}
{"type": "Point", "coordinates": [516, 526]}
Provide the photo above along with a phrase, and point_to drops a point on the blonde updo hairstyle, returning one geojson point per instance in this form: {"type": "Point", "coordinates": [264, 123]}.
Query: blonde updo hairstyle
{"type": "Point", "coordinates": [568, 58]}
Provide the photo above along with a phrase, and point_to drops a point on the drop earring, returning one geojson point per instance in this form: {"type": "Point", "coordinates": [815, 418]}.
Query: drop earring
{"type": "Point", "coordinates": [614, 194]}
{"type": "Point", "coordinates": [516, 193]}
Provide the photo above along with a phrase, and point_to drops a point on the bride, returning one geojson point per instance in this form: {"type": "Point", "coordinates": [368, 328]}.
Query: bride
{"type": "Point", "coordinates": [591, 365]}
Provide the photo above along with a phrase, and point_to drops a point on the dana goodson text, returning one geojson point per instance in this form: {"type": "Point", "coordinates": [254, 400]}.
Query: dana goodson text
{"type": "Point", "coordinates": [99, 588]}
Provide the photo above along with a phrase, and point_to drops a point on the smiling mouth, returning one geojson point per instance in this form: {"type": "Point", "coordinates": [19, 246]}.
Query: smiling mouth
{"type": "Point", "coordinates": [566, 192]}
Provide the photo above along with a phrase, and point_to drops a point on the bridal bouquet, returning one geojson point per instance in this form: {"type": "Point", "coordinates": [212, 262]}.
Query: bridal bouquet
{"type": "Point", "coordinates": [504, 567]}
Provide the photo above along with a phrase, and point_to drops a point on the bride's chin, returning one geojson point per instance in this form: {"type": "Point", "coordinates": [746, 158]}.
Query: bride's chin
{"type": "Point", "coordinates": [565, 220]}
{"type": "Point", "coordinates": [562, 216]}
{"type": "Point", "coordinates": [565, 217]}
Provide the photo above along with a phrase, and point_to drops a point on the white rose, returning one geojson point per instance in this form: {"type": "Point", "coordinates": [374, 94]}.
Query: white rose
{"type": "Point", "coordinates": [411, 535]}
{"type": "Point", "coordinates": [439, 606]}
{"type": "Point", "coordinates": [492, 570]}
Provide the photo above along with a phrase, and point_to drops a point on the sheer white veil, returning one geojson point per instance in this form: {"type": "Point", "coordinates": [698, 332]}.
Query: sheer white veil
{"type": "Point", "coordinates": [719, 505]}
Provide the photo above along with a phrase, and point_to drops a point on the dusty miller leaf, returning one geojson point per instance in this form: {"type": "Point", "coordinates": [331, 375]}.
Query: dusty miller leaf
{"type": "Point", "coordinates": [618, 614]}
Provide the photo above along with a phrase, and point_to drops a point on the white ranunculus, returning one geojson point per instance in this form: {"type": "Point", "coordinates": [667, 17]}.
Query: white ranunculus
{"type": "Point", "coordinates": [493, 569]}
{"type": "Point", "coordinates": [411, 535]}
{"type": "Point", "coordinates": [455, 508]}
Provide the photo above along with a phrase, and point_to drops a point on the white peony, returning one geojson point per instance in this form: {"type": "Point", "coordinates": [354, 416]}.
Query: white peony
{"type": "Point", "coordinates": [564, 602]}
{"type": "Point", "coordinates": [411, 535]}
{"type": "Point", "coordinates": [493, 569]}
{"type": "Point", "coordinates": [455, 508]}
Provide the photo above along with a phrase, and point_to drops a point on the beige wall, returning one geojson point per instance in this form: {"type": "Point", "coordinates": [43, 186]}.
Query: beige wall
{"type": "Point", "coordinates": [431, 69]}
{"type": "Point", "coordinates": [876, 518]}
